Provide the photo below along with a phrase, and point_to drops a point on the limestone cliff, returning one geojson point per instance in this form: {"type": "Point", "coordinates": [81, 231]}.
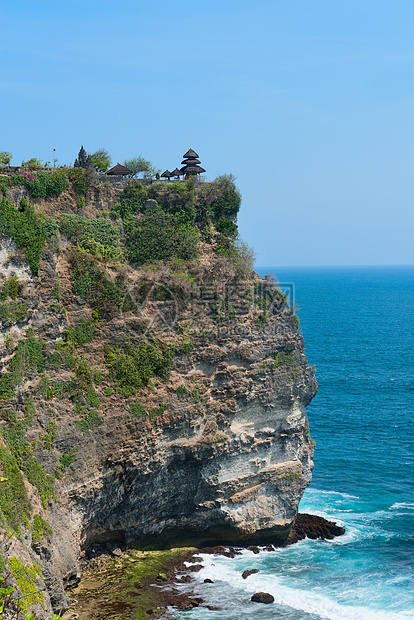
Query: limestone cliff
{"type": "Point", "coordinates": [164, 401]}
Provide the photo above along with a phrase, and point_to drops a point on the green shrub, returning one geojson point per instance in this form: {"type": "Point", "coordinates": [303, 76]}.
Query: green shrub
{"type": "Point", "coordinates": [80, 335]}
{"type": "Point", "coordinates": [292, 475]}
{"type": "Point", "coordinates": [158, 411]}
{"type": "Point", "coordinates": [56, 291]}
{"type": "Point", "coordinates": [227, 227]}
{"type": "Point", "coordinates": [133, 368]}
{"type": "Point", "coordinates": [38, 477]}
{"type": "Point", "coordinates": [181, 390]}
{"type": "Point", "coordinates": [91, 420]}
{"type": "Point", "coordinates": [97, 377]}
{"type": "Point", "coordinates": [44, 184]}
{"type": "Point", "coordinates": [297, 321]}
{"type": "Point", "coordinates": [66, 460]}
{"type": "Point", "coordinates": [11, 288]}
{"type": "Point", "coordinates": [92, 397]}
{"type": "Point", "coordinates": [82, 230]}
{"type": "Point", "coordinates": [220, 198]}
{"type": "Point", "coordinates": [25, 576]}
{"type": "Point", "coordinates": [15, 506]}
{"type": "Point", "coordinates": [175, 197]}
{"type": "Point", "coordinates": [283, 359]}
{"type": "Point", "coordinates": [13, 311]}
{"type": "Point", "coordinates": [41, 530]}
{"type": "Point", "coordinates": [51, 230]}
{"type": "Point", "coordinates": [91, 281]}
{"type": "Point", "coordinates": [159, 236]}
{"type": "Point", "coordinates": [84, 374]}
{"type": "Point", "coordinates": [22, 451]}
{"type": "Point", "coordinates": [137, 409]}
{"type": "Point", "coordinates": [28, 358]}
{"type": "Point", "coordinates": [195, 395]}
{"type": "Point", "coordinates": [131, 200]}
{"type": "Point", "coordinates": [50, 434]}
{"type": "Point", "coordinates": [27, 229]}
{"type": "Point", "coordinates": [69, 360]}
{"type": "Point", "coordinates": [79, 178]}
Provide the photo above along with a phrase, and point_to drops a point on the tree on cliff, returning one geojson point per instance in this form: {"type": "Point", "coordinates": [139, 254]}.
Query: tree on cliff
{"type": "Point", "coordinates": [138, 165]}
{"type": "Point", "coordinates": [101, 160]}
{"type": "Point", "coordinates": [5, 158]}
{"type": "Point", "coordinates": [34, 163]}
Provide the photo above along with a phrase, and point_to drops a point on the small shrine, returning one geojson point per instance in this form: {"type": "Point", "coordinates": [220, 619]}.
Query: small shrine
{"type": "Point", "coordinates": [177, 173]}
{"type": "Point", "coordinates": [166, 174]}
{"type": "Point", "coordinates": [119, 170]}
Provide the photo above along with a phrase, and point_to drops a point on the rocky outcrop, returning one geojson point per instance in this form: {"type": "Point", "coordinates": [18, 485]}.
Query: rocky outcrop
{"type": "Point", "coordinates": [217, 451]}
{"type": "Point", "coordinates": [263, 597]}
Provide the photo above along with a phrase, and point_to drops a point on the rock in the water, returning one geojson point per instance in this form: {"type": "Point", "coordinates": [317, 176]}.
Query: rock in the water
{"type": "Point", "coordinates": [208, 581]}
{"type": "Point", "coordinates": [262, 597]}
{"type": "Point", "coordinates": [254, 549]}
{"type": "Point", "coordinates": [313, 527]}
{"type": "Point", "coordinates": [247, 573]}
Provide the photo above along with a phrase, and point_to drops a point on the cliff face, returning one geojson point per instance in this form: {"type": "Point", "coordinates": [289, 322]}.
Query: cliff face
{"type": "Point", "coordinates": [178, 411]}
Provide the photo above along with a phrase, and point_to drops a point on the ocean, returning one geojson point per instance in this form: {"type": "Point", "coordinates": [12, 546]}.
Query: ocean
{"type": "Point", "coordinates": [358, 328]}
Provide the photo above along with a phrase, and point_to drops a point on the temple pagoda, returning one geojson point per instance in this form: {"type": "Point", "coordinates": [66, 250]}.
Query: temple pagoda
{"type": "Point", "coordinates": [191, 165]}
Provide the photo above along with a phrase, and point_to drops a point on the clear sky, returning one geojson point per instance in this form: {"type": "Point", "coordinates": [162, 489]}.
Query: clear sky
{"type": "Point", "coordinates": [310, 103]}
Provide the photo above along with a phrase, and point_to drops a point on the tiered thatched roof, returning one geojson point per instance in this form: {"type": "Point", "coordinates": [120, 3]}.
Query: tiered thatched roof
{"type": "Point", "coordinates": [191, 164]}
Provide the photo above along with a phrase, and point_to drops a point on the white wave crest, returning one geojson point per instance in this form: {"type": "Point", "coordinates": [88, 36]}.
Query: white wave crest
{"type": "Point", "coordinates": [399, 505]}
{"type": "Point", "coordinates": [229, 585]}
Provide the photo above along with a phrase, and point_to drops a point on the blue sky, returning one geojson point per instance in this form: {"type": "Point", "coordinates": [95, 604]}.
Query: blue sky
{"type": "Point", "coordinates": [310, 103]}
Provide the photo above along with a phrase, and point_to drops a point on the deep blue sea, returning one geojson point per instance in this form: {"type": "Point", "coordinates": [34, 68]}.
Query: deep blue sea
{"type": "Point", "coordinates": [358, 328]}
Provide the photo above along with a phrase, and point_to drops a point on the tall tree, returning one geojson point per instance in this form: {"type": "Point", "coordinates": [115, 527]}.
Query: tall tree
{"type": "Point", "coordinates": [5, 158]}
{"type": "Point", "coordinates": [101, 160]}
{"type": "Point", "coordinates": [139, 164]}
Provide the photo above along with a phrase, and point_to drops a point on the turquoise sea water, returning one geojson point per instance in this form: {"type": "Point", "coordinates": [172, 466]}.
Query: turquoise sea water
{"type": "Point", "coordinates": [358, 330]}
